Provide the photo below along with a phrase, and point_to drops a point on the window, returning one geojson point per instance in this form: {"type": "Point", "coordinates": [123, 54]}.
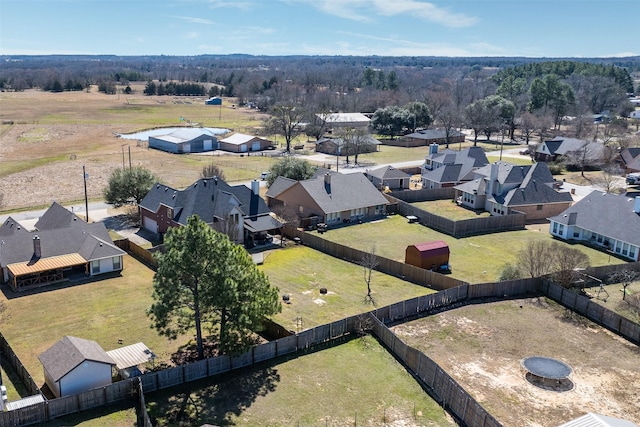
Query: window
{"type": "Point", "coordinates": [555, 228]}
{"type": "Point", "coordinates": [116, 263]}
{"type": "Point", "coordinates": [561, 229]}
{"type": "Point", "coordinates": [170, 213]}
{"type": "Point", "coordinates": [576, 232]}
{"type": "Point", "coordinates": [538, 207]}
{"type": "Point", "coordinates": [95, 267]}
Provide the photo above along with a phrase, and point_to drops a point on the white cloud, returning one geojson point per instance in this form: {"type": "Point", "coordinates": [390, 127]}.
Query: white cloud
{"type": "Point", "coordinates": [193, 20]}
{"type": "Point", "coordinates": [218, 4]}
{"type": "Point", "coordinates": [423, 10]}
{"type": "Point", "coordinates": [366, 10]}
{"type": "Point", "coordinates": [191, 35]}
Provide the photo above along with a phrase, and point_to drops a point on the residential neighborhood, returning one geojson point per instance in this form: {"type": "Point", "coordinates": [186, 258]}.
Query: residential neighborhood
{"type": "Point", "coordinates": [390, 230]}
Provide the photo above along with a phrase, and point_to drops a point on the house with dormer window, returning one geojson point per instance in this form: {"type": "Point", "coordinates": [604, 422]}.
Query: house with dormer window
{"type": "Point", "coordinates": [501, 187]}
{"type": "Point", "coordinates": [237, 211]}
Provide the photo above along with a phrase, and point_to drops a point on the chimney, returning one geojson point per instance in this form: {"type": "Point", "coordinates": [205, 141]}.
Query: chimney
{"type": "Point", "coordinates": [493, 178]}
{"type": "Point", "coordinates": [433, 148]}
{"type": "Point", "coordinates": [327, 179]}
{"type": "Point", "coordinates": [37, 251]}
{"type": "Point", "coordinates": [636, 205]}
{"type": "Point", "coordinates": [255, 187]}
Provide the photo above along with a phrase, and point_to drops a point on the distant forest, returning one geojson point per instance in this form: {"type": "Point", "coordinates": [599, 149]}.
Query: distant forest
{"type": "Point", "coordinates": [456, 91]}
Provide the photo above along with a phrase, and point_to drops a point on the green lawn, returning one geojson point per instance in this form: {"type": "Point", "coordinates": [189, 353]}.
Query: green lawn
{"type": "Point", "coordinates": [449, 209]}
{"type": "Point", "coordinates": [355, 383]}
{"type": "Point", "coordinates": [121, 414]}
{"type": "Point", "coordinates": [300, 272]}
{"type": "Point", "coordinates": [474, 259]}
{"type": "Point", "coordinates": [104, 311]}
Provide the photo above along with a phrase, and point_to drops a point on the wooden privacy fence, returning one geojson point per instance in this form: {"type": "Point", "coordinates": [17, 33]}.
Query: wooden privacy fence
{"type": "Point", "coordinates": [444, 389]}
{"type": "Point", "coordinates": [9, 356]}
{"type": "Point", "coordinates": [138, 252]}
{"type": "Point", "coordinates": [593, 311]}
{"type": "Point", "coordinates": [464, 227]}
{"type": "Point", "coordinates": [424, 195]}
{"type": "Point", "coordinates": [410, 273]}
{"type": "Point", "coordinates": [305, 340]}
{"type": "Point", "coordinates": [51, 409]}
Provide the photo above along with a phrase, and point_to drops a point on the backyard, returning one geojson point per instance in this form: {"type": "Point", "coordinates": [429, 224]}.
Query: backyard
{"type": "Point", "coordinates": [476, 259]}
{"type": "Point", "coordinates": [300, 272]}
{"type": "Point", "coordinates": [449, 209]}
{"type": "Point", "coordinates": [354, 383]}
{"type": "Point", "coordinates": [482, 345]}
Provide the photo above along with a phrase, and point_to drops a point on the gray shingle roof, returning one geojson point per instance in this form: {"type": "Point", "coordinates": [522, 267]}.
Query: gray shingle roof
{"type": "Point", "coordinates": [479, 158]}
{"type": "Point", "coordinates": [57, 216]}
{"type": "Point", "coordinates": [91, 241]}
{"type": "Point", "coordinates": [279, 185]}
{"type": "Point", "coordinates": [536, 188]}
{"type": "Point", "coordinates": [345, 192]}
{"type": "Point", "coordinates": [388, 172]}
{"type": "Point", "coordinates": [207, 198]}
{"type": "Point", "coordinates": [608, 214]}
{"type": "Point", "coordinates": [534, 185]}
{"type": "Point", "coordinates": [68, 353]}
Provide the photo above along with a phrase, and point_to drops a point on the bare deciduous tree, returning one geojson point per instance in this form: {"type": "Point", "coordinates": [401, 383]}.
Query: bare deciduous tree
{"type": "Point", "coordinates": [609, 178]}
{"type": "Point", "coordinates": [355, 141]}
{"type": "Point", "coordinates": [564, 261]}
{"type": "Point", "coordinates": [212, 170]}
{"type": "Point", "coordinates": [287, 121]}
{"type": "Point", "coordinates": [532, 260]}
{"type": "Point", "coordinates": [539, 258]}
{"type": "Point", "coordinates": [369, 263]}
{"type": "Point", "coordinates": [625, 277]}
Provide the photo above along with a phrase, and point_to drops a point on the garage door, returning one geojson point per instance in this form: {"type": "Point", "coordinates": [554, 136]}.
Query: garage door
{"type": "Point", "coordinates": [255, 146]}
{"type": "Point", "coordinates": [208, 145]}
{"type": "Point", "coordinates": [149, 224]}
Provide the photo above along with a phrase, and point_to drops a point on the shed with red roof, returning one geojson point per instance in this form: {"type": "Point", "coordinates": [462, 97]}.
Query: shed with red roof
{"type": "Point", "coordinates": [430, 255]}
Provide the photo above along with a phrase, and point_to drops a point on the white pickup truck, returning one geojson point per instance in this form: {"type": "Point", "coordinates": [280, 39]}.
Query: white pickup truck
{"type": "Point", "coordinates": [633, 178]}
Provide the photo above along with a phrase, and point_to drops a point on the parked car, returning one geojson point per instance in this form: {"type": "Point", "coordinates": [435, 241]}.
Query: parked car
{"type": "Point", "coordinates": [633, 178]}
{"type": "Point", "coordinates": [525, 152]}
{"type": "Point", "coordinates": [264, 175]}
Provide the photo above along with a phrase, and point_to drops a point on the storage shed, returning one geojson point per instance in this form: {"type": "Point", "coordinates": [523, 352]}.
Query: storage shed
{"type": "Point", "coordinates": [430, 255]}
{"type": "Point", "coordinates": [73, 365]}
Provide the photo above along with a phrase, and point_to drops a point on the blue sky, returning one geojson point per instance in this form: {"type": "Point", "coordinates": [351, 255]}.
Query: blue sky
{"type": "Point", "coordinates": [532, 28]}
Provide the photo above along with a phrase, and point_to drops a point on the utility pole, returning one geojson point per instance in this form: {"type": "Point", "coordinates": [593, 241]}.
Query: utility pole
{"type": "Point", "coordinates": [129, 157]}
{"type": "Point", "coordinates": [86, 200]}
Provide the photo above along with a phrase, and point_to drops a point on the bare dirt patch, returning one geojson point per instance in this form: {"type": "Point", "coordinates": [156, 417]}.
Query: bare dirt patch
{"type": "Point", "coordinates": [481, 346]}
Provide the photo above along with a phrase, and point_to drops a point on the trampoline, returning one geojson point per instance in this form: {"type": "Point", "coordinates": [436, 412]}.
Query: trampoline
{"type": "Point", "coordinates": [547, 373]}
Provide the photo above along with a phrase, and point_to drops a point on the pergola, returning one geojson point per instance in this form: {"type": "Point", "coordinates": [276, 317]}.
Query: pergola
{"type": "Point", "coordinates": [42, 271]}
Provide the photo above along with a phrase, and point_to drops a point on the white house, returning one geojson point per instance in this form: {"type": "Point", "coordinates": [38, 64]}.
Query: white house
{"type": "Point", "coordinates": [604, 220]}
{"type": "Point", "coordinates": [73, 365]}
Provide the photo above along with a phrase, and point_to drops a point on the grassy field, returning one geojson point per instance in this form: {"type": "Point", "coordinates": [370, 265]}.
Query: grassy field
{"type": "Point", "coordinates": [355, 381]}
{"type": "Point", "coordinates": [481, 346]}
{"type": "Point", "coordinates": [474, 259]}
{"type": "Point", "coordinates": [449, 209]}
{"type": "Point", "coordinates": [300, 272]}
